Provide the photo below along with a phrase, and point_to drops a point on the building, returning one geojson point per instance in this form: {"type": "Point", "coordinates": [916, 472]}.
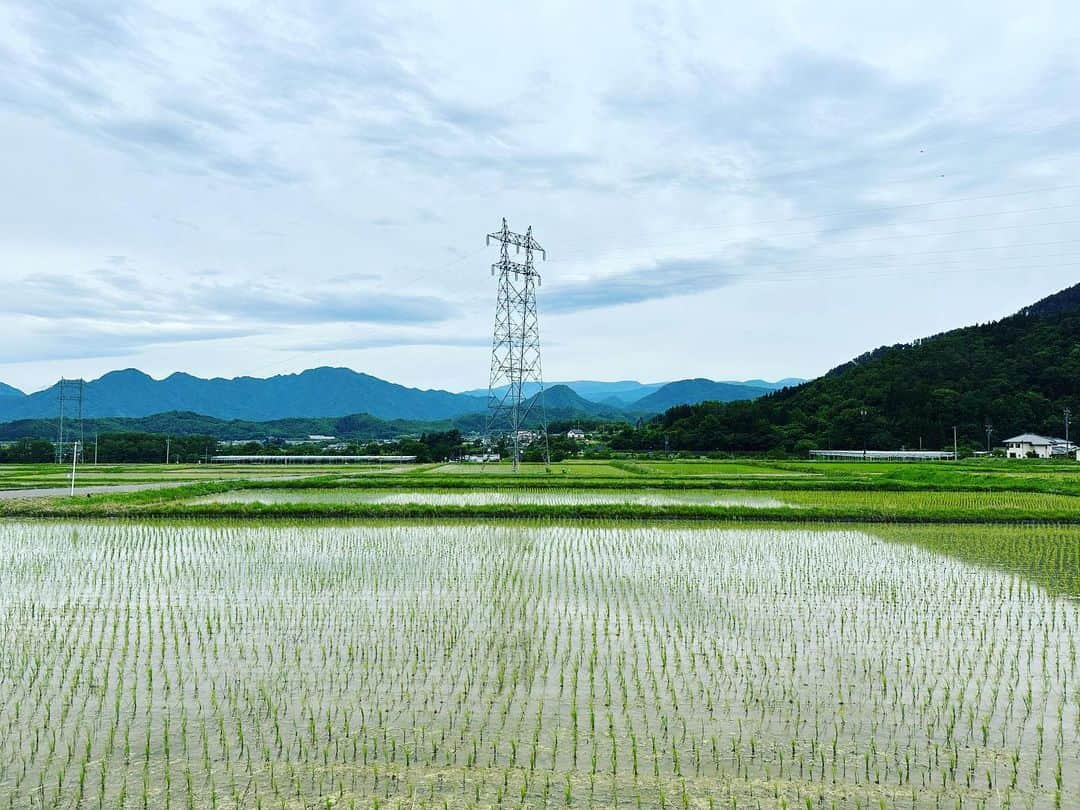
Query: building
{"type": "Point", "coordinates": [1032, 445]}
{"type": "Point", "coordinates": [481, 458]}
{"type": "Point", "coordinates": [575, 434]}
{"type": "Point", "coordinates": [884, 455]}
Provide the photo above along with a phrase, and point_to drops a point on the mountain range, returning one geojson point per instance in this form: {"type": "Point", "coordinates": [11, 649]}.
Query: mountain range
{"type": "Point", "coordinates": [335, 392]}
{"type": "Point", "coordinates": [627, 392]}
{"type": "Point", "coordinates": [313, 393]}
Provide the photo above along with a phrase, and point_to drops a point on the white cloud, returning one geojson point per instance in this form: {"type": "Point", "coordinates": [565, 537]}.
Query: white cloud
{"type": "Point", "coordinates": [300, 184]}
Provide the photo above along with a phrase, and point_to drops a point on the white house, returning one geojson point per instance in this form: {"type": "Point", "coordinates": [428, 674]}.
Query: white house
{"type": "Point", "coordinates": [527, 436]}
{"type": "Point", "coordinates": [575, 434]}
{"type": "Point", "coordinates": [1031, 444]}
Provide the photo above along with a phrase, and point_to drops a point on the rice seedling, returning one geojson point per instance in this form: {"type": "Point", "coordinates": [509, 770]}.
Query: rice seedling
{"type": "Point", "coordinates": [188, 665]}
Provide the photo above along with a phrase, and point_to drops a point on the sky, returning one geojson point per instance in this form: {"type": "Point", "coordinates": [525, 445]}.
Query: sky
{"type": "Point", "coordinates": [724, 190]}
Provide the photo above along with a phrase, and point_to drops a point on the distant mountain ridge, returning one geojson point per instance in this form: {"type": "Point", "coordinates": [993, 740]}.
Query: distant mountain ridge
{"type": "Point", "coordinates": [690, 392]}
{"type": "Point", "coordinates": [333, 392]}
{"type": "Point", "coordinates": [314, 393]}
{"type": "Point", "coordinates": [629, 392]}
{"type": "Point", "coordinates": [562, 402]}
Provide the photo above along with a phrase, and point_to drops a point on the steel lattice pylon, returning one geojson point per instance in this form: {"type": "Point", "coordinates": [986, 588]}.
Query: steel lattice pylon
{"type": "Point", "coordinates": [515, 347]}
{"type": "Point", "coordinates": [70, 402]}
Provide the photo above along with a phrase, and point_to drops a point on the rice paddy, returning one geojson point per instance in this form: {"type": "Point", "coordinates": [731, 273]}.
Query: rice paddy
{"type": "Point", "coordinates": [176, 665]}
{"type": "Point", "coordinates": [542, 497]}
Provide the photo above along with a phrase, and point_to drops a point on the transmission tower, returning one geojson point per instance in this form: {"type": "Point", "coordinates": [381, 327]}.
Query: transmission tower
{"type": "Point", "coordinates": [515, 348]}
{"type": "Point", "coordinates": [70, 402]}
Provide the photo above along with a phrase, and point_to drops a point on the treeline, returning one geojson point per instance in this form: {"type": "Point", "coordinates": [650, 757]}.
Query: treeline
{"type": "Point", "coordinates": [355, 427]}
{"type": "Point", "coordinates": [430, 447]}
{"type": "Point", "coordinates": [151, 448]}
{"type": "Point", "coordinates": [28, 451]}
{"type": "Point", "coordinates": [113, 448]}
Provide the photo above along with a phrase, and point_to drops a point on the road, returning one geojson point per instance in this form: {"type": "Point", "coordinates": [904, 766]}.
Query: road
{"type": "Point", "coordinates": [52, 492]}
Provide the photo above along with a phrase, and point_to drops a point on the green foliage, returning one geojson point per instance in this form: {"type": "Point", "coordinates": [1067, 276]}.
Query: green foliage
{"type": "Point", "coordinates": [1017, 373]}
{"type": "Point", "coordinates": [146, 447]}
{"type": "Point", "coordinates": [27, 451]}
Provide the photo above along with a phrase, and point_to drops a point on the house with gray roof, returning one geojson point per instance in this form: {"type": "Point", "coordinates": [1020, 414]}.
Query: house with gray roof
{"type": "Point", "coordinates": [1032, 445]}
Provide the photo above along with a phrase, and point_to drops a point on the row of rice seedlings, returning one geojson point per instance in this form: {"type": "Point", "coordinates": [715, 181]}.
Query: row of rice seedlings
{"type": "Point", "coordinates": [149, 665]}
{"type": "Point", "coordinates": [1048, 555]}
{"type": "Point", "coordinates": [1001, 504]}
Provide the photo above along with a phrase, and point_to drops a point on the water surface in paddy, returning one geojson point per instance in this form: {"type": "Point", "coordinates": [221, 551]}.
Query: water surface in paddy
{"type": "Point", "coordinates": [191, 664]}
{"type": "Point", "coordinates": [487, 498]}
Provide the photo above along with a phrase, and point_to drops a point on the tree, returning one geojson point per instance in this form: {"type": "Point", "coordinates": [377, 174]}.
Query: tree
{"type": "Point", "coordinates": [28, 451]}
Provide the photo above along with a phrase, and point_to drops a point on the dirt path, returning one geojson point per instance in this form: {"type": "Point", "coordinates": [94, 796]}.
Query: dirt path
{"type": "Point", "coordinates": [99, 489]}
{"type": "Point", "coordinates": [53, 492]}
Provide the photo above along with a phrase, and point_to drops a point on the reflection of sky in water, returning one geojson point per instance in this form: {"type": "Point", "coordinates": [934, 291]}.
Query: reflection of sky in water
{"type": "Point", "coordinates": [728, 646]}
{"type": "Point", "coordinates": [473, 498]}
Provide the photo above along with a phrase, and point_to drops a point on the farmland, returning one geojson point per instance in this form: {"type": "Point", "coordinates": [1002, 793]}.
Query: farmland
{"type": "Point", "coordinates": [630, 633]}
{"type": "Point", "coordinates": [190, 665]}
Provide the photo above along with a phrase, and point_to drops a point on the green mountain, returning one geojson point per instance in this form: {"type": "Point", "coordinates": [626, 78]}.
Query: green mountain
{"type": "Point", "coordinates": [359, 427]}
{"type": "Point", "coordinates": [1017, 374]}
{"type": "Point", "coordinates": [562, 402]}
{"type": "Point", "coordinates": [10, 391]}
{"type": "Point", "coordinates": [689, 392]}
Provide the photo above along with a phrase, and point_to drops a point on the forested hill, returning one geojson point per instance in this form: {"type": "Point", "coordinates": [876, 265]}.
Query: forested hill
{"type": "Point", "coordinates": [1018, 374]}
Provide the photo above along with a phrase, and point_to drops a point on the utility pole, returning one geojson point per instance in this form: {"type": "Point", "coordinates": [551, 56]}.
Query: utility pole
{"type": "Point", "coordinates": [167, 440]}
{"type": "Point", "coordinates": [955, 453]}
{"type": "Point", "coordinates": [515, 346]}
{"type": "Point", "coordinates": [74, 458]}
{"type": "Point", "coordinates": [95, 448]}
{"type": "Point", "coordinates": [1068, 417]}
{"type": "Point", "coordinates": [989, 430]}
{"type": "Point", "coordinates": [862, 413]}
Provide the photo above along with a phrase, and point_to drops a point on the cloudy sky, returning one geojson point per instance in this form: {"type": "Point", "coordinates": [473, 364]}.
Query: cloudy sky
{"type": "Point", "coordinates": [725, 190]}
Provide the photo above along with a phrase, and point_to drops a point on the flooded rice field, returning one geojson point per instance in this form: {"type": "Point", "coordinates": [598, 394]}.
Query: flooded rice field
{"type": "Point", "coordinates": [546, 497]}
{"type": "Point", "coordinates": [322, 665]}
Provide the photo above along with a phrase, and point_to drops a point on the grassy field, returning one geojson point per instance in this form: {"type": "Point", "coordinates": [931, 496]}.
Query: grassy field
{"type": "Point", "coordinates": [629, 490]}
{"type": "Point", "coordinates": [516, 665]}
{"type": "Point", "coordinates": [33, 476]}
